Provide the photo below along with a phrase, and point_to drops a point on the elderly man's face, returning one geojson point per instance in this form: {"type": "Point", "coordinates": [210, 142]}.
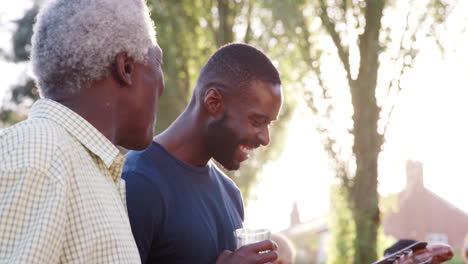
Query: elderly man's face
{"type": "Point", "coordinates": [148, 84]}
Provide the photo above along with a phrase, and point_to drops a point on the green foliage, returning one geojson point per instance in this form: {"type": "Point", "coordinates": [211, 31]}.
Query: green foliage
{"type": "Point", "coordinates": [22, 36]}
{"type": "Point", "coordinates": [342, 228]}
{"type": "Point", "coordinates": [21, 93]}
{"type": "Point", "coordinates": [9, 117]}
{"type": "Point", "coordinates": [457, 258]}
{"type": "Point", "coordinates": [185, 49]}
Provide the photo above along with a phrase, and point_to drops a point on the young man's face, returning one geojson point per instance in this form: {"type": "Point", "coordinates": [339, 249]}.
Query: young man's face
{"type": "Point", "coordinates": [244, 125]}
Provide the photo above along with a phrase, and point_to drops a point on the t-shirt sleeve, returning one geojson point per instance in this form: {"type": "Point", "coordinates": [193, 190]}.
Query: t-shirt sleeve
{"type": "Point", "coordinates": [145, 209]}
{"type": "Point", "coordinates": [240, 204]}
{"type": "Point", "coordinates": [236, 196]}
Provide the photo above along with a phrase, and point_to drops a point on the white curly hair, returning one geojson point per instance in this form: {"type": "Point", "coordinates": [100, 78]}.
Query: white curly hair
{"type": "Point", "coordinates": [75, 41]}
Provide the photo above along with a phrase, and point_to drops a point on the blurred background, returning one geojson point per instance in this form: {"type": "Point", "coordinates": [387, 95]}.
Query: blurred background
{"type": "Point", "coordinates": [370, 144]}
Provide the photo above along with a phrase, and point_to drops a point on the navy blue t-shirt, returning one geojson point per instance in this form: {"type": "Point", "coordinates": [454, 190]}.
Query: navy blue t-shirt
{"type": "Point", "coordinates": [180, 213]}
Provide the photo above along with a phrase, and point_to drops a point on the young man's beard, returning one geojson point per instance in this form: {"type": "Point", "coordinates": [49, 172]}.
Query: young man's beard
{"type": "Point", "coordinates": [222, 142]}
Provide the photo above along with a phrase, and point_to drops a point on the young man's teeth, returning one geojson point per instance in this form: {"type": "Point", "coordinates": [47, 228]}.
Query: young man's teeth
{"type": "Point", "coordinates": [246, 150]}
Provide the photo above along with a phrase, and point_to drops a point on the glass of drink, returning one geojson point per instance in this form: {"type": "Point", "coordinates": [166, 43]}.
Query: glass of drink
{"type": "Point", "coordinates": [245, 236]}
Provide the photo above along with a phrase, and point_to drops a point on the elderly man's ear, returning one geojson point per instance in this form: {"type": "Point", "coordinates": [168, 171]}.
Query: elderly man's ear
{"type": "Point", "coordinates": [124, 68]}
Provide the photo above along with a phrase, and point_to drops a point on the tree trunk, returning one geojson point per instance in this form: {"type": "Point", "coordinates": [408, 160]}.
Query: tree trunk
{"type": "Point", "coordinates": [367, 140]}
{"type": "Point", "coordinates": [364, 194]}
{"type": "Point", "coordinates": [226, 23]}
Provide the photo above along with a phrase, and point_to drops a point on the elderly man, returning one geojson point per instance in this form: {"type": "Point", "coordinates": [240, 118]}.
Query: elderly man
{"type": "Point", "coordinates": [182, 208]}
{"type": "Point", "coordinates": [98, 68]}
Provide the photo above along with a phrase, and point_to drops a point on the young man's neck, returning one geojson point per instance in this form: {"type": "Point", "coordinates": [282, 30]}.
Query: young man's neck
{"type": "Point", "coordinates": [184, 139]}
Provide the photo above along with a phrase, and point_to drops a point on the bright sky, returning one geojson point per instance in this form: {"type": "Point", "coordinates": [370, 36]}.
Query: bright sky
{"type": "Point", "coordinates": [429, 125]}
{"type": "Point", "coordinates": [301, 174]}
{"type": "Point", "coordinates": [10, 10]}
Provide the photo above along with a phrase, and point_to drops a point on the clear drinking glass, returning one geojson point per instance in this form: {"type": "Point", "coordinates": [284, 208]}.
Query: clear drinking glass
{"type": "Point", "coordinates": [245, 236]}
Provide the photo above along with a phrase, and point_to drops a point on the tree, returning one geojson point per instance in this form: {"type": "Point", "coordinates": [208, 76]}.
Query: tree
{"type": "Point", "coordinates": [361, 43]}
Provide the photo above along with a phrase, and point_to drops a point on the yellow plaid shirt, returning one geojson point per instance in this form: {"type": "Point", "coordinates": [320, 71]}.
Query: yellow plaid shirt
{"type": "Point", "coordinates": [61, 196]}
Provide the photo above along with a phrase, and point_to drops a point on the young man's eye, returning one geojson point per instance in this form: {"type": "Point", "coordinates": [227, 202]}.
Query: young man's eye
{"type": "Point", "coordinates": [256, 123]}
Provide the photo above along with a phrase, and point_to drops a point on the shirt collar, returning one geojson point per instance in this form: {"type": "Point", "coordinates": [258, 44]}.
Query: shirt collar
{"type": "Point", "coordinates": [81, 129]}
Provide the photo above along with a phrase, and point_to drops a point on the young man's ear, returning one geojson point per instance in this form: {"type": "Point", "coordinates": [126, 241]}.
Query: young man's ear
{"type": "Point", "coordinates": [213, 101]}
{"type": "Point", "coordinates": [124, 67]}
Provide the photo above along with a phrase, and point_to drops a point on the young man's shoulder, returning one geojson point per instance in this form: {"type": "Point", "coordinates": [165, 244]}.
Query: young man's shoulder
{"type": "Point", "coordinates": [149, 162]}
{"type": "Point", "coordinates": [135, 159]}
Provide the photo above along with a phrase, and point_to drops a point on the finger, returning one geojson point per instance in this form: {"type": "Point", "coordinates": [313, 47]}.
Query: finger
{"type": "Point", "coordinates": [266, 257]}
{"type": "Point", "coordinates": [261, 246]}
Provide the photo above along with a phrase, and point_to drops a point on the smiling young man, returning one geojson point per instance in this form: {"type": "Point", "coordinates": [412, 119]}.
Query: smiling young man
{"type": "Point", "coordinates": [182, 208]}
